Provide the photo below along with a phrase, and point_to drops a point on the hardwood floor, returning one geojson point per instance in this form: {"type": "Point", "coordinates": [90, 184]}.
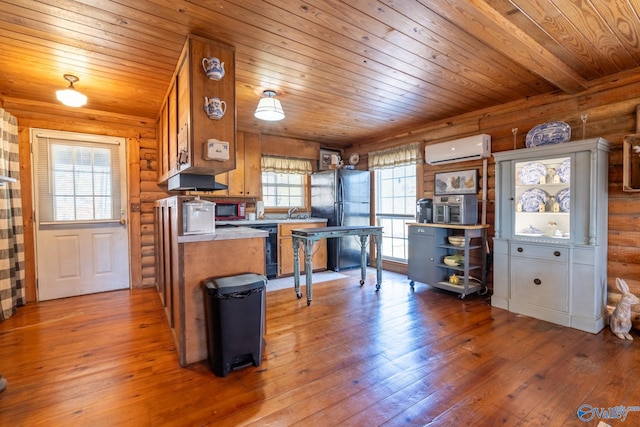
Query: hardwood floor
{"type": "Point", "coordinates": [353, 358]}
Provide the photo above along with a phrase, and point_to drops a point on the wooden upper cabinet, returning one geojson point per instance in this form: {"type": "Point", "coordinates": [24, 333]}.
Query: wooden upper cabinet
{"type": "Point", "coordinates": [246, 179]}
{"type": "Point", "coordinates": [184, 128]}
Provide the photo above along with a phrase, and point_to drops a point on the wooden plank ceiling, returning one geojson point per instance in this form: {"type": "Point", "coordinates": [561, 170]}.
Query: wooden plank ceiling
{"type": "Point", "coordinates": [345, 71]}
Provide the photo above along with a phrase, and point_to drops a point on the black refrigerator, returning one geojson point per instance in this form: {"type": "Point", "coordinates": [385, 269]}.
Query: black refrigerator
{"type": "Point", "coordinates": [342, 197]}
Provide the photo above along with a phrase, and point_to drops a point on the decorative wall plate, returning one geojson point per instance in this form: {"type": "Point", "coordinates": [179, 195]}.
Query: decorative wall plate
{"type": "Point", "coordinates": [532, 199]}
{"type": "Point", "coordinates": [564, 199]}
{"type": "Point", "coordinates": [548, 134]}
{"type": "Point", "coordinates": [564, 170]}
{"type": "Point", "coordinates": [532, 172]}
{"type": "Point", "coordinates": [354, 159]}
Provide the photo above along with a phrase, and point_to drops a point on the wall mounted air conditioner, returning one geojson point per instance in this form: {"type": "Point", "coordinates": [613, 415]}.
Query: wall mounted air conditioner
{"type": "Point", "coordinates": [459, 150]}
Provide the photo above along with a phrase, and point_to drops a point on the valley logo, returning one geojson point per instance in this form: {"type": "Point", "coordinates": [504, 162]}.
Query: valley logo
{"type": "Point", "coordinates": [587, 412]}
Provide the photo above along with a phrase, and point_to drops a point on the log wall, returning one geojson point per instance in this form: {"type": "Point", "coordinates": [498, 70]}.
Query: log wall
{"type": "Point", "coordinates": [140, 135]}
{"type": "Point", "coordinates": [611, 113]}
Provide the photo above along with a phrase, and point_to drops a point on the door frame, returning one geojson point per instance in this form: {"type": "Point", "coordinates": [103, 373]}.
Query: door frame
{"type": "Point", "coordinates": [33, 132]}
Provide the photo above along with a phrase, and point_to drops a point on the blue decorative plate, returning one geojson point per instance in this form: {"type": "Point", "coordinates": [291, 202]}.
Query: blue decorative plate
{"type": "Point", "coordinates": [564, 199]}
{"type": "Point", "coordinates": [548, 134]}
{"type": "Point", "coordinates": [564, 170]}
{"type": "Point", "coordinates": [532, 172]}
{"type": "Point", "coordinates": [532, 198]}
{"type": "Point", "coordinates": [531, 231]}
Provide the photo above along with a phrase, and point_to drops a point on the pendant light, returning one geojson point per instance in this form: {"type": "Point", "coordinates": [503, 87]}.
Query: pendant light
{"type": "Point", "coordinates": [70, 96]}
{"type": "Point", "coordinates": [269, 108]}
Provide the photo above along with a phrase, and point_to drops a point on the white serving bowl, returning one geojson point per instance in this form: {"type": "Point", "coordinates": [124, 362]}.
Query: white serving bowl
{"type": "Point", "coordinates": [456, 240]}
{"type": "Point", "coordinates": [454, 260]}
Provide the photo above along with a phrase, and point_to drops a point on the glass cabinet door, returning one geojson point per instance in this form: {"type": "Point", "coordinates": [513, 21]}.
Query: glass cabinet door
{"type": "Point", "coordinates": [543, 199]}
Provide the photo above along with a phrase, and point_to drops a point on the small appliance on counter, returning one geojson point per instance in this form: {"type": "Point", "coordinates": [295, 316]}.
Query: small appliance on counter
{"type": "Point", "coordinates": [424, 211]}
{"type": "Point", "coordinates": [260, 209]}
{"type": "Point", "coordinates": [460, 209]}
{"type": "Point", "coordinates": [229, 209]}
{"type": "Point", "coordinates": [198, 217]}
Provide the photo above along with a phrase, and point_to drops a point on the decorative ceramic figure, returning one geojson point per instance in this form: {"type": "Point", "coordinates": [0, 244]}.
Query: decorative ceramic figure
{"type": "Point", "coordinates": [620, 322]}
{"type": "Point", "coordinates": [213, 68]}
{"type": "Point", "coordinates": [214, 107]}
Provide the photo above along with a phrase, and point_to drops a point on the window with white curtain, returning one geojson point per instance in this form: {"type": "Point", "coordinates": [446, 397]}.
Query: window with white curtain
{"type": "Point", "coordinates": [395, 180]}
{"type": "Point", "coordinates": [284, 182]}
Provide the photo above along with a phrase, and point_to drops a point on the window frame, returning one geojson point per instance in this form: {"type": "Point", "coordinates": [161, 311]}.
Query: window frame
{"type": "Point", "coordinates": [306, 198]}
{"type": "Point", "coordinates": [382, 216]}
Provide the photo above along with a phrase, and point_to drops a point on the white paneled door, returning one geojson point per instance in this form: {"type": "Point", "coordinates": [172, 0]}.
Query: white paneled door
{"type": "Point", "coordinates": [80, 213]}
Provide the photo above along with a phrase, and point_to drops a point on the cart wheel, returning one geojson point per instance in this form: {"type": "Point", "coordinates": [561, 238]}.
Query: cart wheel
{"type": "Point", "coordinates": [377, 287]}
{"type": "Point", "coordinates": [412, 284]}
{"type": "Point", "coordinates": [308, 302]}
{"type": "Point", "coordinates": [461, 296]}
{"type": "Point", "coordinates": [299, 295]}
{"type": "Point", "coordinates": [361, 282]}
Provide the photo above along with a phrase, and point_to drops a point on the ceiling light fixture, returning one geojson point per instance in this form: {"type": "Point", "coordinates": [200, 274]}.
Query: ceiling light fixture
{"type": "Point", "coordinates": [269, 108]}
{"type": "Point", "coordinates": [70, 96]}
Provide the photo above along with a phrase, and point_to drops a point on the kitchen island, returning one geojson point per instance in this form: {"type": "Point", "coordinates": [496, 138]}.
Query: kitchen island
{"type": "Point", "coordinates": [309, 236]}
{"type": "Point", "coordinates": [185, 261]}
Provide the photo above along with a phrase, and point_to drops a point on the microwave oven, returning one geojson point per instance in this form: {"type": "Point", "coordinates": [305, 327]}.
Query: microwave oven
{"type": "Point", "coordinates": [460, 209]}
{"type": "Point", "coordinates": [230, 210]}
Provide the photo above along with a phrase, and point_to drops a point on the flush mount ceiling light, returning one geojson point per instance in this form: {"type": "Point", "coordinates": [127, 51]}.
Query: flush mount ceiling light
{"type": "Point", "coordinates": [70, 96]}
{"type": "Point", "coordinates": [269, 108]}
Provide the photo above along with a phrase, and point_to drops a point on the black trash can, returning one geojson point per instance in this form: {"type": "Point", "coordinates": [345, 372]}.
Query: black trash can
{"type": "Point", "coordinates": [234, 309]}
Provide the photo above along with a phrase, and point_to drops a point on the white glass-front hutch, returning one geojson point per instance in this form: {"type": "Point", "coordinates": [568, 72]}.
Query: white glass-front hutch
{"type": "Point", "coordinates": [550, 244]}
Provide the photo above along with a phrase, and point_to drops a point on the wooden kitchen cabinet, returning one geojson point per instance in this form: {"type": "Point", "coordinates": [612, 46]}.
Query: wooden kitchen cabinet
{"type": "Point", "coordinates": [246, 179]}
{"type": "Point", "coordinates": [550, 245]}
{"type": "Point", "coordinates": [183, 126]}
{"type": "Point", "coordinates": [285, 248]}
{"type": "Point", "coordinates": [185, 262]}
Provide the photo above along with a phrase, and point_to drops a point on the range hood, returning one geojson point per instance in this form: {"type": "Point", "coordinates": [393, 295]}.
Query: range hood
{"type": "Point", "coordinates": [188, 181]}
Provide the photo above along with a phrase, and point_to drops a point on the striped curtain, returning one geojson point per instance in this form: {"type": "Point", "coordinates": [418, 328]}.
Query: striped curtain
{"type": "Point", "coordinates": [12, 293]}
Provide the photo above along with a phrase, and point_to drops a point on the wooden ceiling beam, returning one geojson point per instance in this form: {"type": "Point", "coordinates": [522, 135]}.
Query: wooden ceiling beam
{"type": "Point", "coordinates": [487, 24]}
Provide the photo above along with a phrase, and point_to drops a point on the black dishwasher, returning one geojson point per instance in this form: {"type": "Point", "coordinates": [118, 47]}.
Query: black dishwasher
{"type": "Point", "coordinates": [271, 248]}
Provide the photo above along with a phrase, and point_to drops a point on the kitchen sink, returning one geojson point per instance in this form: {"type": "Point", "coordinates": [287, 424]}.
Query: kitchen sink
{"type": "Point", "coordinates": [285, 217]}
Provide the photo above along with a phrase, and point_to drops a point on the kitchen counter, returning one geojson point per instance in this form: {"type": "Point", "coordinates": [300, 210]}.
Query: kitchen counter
{"type": "Point", "coordinates": [249, 223]}
{"type": "Point", "coordinates": [225, 234]}
{"type": "Point", "coordinates": [185, 262]}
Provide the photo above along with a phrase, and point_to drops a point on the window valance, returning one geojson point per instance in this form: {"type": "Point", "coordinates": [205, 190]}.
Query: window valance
{"type": "Point", "coordinates": [286, 165]}
{"type": "Point", "coordinates": [397, 156]}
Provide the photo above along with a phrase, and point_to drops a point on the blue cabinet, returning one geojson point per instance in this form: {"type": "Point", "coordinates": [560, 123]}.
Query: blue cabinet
{"type": "Point", "coordinates": [550, 243]}
{"type": "Point", "coordinates": [428, 248]}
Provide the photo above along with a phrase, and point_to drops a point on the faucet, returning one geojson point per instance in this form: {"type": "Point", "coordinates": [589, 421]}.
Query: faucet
{"type": "Point", "coordinates": [291, 211]}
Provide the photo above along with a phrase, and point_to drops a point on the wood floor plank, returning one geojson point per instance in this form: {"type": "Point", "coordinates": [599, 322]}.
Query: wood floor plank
{"type": "Point", "coordinates": [355, 357]}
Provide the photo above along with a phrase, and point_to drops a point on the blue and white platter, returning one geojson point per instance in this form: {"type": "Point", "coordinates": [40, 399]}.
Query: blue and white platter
{"type": "Point", "coordinates": [564, 170]}
{"type": "Point", "coordinates": [531, 231]}
{"type": "Point", "coordinates": [548, 134]}
{"type": "Point", "coordinates": [532, 172]}
{"type": "Point", "coordinates": [564, 199]}
{"type": "Point", "coordinates": [532, 198]}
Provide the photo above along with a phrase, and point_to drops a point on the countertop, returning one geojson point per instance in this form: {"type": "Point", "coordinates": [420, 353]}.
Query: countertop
{"type": "Point", "coordinates": [242, 229]}
{"type": "Point", "coordinates": [224, 234]}
{"type": "Point", "coordinates": [248, 223]}
{"type": "Point", "coordinates": [455, 226]}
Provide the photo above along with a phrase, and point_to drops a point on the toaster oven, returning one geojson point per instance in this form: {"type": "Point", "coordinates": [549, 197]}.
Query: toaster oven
{"type": "Point", "coordinates": [460, 209]}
